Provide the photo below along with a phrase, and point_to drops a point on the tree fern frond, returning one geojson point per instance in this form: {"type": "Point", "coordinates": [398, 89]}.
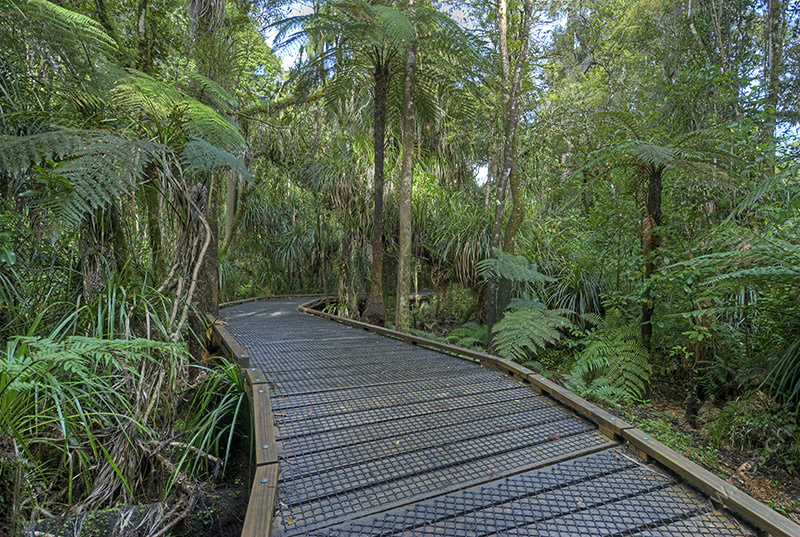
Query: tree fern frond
{"type": "Point", "coordinates": [220, 97]}
{"type": "Point", "coordinates": [81, 170]}
{"type": "Point", "coordinates": [512, 267]}
{"type": "Point", "coordinates": [141, 93]}
{"type": "Point", "coordinates": [201, 156]}
{"type": "Point", "coordinates": [68, 26]}
{"type": "Point", "coordinates": [614, 353]}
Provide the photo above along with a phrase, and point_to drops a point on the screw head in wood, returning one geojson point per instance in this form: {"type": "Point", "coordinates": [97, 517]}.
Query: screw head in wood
{"type": "Point", "coordinates": [264, 480]}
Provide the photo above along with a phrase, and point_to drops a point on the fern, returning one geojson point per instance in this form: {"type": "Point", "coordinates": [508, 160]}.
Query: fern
{"type": "Point", "coordinates": [141, 93]}
{"type": "Point", "coordinates": [524, 332]}
{"type": "Point", "coordinates": [219, 96]}
{"type": "Point", "coordinates": [201, 156]}
{"type": "Point", "coordinates": [469, 335]}
{"type": "Point", "coordinates": [511, 267]}
{"type": "Point", "coordinates": [613, 365]}
{"type": "Point", "coordinates": [80, 170]}
{"type": "Point", "coordinates": [65, 26]}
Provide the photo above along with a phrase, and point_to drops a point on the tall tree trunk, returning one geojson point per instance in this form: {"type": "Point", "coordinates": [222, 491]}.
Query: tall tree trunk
{"type": "Point", "coordinates": [205, 18]}
{"type": "Point", "coordinates": [231, 199]}
{"type": "Point", "coordinates": [774, 33]}
{"type": "Point", "coordinates": [375, 310]}
{"type": "Point", "coordinates": [651, 241]}
{"type": "Point", "coordinates": [500, 292]}
{"type": "Point", "coordinates": [403, 309]}
{"type": "Point", "coordinates": [144, 60]}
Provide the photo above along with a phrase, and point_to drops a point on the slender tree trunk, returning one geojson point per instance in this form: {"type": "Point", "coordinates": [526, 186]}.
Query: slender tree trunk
{"type": "Point", "coordinates": [144, 61]}
{"type": "Point", "coordinates": [120, 241]}
{"type": "Point", "coordinates": [774, 30]}
{"type": "Point", "coordinates": [375, 310]}
{"type": "Point", "coordinates": [500, 292]}
{"type": "Point", "coordinates": [403, 309]}
{"type": "Point", "coordinates": [231, 198]}
{"type": "Point", "coordinates": [651, 241]}
{"type": "Point", "coordinates": [206, 17]}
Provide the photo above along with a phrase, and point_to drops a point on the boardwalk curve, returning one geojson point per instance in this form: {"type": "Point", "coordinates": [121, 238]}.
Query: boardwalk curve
{"type": "Point", "coordinates": [360, 434]}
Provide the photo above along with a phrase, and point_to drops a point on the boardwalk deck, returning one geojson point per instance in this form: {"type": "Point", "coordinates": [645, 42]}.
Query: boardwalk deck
{"type": "Point", "coordinates": [373, 436]}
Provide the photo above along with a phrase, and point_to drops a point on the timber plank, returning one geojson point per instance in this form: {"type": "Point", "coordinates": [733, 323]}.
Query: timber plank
{"type": "Point", "coordinates": [261, 507]}
{"type": "Point", "coordinates": [263, 426]}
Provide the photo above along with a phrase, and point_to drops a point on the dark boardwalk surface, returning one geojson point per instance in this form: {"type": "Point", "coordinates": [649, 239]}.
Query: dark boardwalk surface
{"type": "Point", "coordinates": [378, 437]}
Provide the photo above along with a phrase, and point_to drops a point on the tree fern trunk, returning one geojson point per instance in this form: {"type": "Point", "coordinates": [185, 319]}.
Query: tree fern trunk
{"type": "Point", "coordinates": [375, 310]}
{"type": "Point", "coordinates": [651, 241]}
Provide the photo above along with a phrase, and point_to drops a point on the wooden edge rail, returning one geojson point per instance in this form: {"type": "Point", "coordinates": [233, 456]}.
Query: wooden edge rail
{"type": "Point", "coordinates": [257, 298]}
{"type": "Point", "coordinates": [609, 425]}
{"type": "Point", "coordinates": [264, 491]}
{"type": "Point", "coordinates": [222, 338]}
{"type": "Point", "coordinates": [722, 493]}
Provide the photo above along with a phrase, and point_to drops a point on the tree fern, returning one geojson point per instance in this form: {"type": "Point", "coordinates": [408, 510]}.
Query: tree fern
{"type": "Point", "coordinates": [512, 267]}
{"type": "Point", "coordinates": [63, 25]}
{"type": "Point", "coordinates": [201, 156]}
{"type": "Point", "coordinates": [469, 335]}
{"type": "Point", "coordinates": [140, 93]}
{"type": "Point", "coordinates": [524, 332]}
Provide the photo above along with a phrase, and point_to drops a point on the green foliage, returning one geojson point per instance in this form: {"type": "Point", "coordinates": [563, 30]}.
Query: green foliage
{"type": "Point", "coordinates": [218, 412]}
{"type": "Point", "coordinates": [756, 422]}
{"type": "Point", "coordinates": [666, 431]}
{"type": "Point", "coordinates": [75, 172]}
{"type": "Point", "coordinates": [516, 268]}
{"type": "Point", "coordinates": [469, 335]}
{"type": "Point", "coordinates": [613, 366]}
{"type": "Point", "coordinates": [162, 103]}
{"type": "Point", "coordinates": [201, 156]}
{"type": "Point", "coordinates": [74, 407]}
{"type": "Point", "coordinates": [524, 332]}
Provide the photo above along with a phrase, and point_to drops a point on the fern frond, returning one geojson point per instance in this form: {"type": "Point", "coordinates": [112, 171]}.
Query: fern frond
{"type": "Point", "coordinates": [201, 156]}
{"type": "Point", "coordinates": [524, 332]}
{"type": "Point", "coordinates": [68, 27]}
{"type": "Point", "coordinates": [511, 267]}
{"type": "Point", "coordinates": [81, 170]}
{"type": "Point", "coordinates": [615, 354]}
{"type": "Point", "coordinates": [221, 98]}
{"type": "Point", "coordinates": [141, 93]}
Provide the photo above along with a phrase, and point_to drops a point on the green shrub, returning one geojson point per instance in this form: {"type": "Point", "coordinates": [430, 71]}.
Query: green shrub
{"type": "Point", "coordinates": [759, 424]}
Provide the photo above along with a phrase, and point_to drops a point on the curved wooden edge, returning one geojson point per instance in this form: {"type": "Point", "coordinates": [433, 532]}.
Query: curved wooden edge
{"type": "Point", "coordinates": [263, 494]}
{"type": "Point", "coordinates": [721, 492]}
{"type": "Point", "coordinates": [222, 338]}
{"type": "Point", "coordinates": [271, 297]}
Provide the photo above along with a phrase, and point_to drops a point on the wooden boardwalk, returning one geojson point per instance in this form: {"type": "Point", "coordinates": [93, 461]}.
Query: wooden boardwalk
{"type": "Point", "coordinates": [360, 434]}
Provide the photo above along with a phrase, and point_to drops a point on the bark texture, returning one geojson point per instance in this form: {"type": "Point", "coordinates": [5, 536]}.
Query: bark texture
{"type": "Point", "coordinates": [375, 309]}
{"type": "Point", "coordinates": [403, 309]}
